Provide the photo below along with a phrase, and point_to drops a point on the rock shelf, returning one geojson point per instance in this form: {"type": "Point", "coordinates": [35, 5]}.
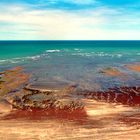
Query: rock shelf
{"type": "Point", "coordinates": [17, 93]}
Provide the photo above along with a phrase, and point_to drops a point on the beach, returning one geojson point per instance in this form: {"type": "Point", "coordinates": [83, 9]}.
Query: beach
{"type": "Point", "coordinates": [103, 121]}
{"type": "Point", "coordinates": [69, 90]}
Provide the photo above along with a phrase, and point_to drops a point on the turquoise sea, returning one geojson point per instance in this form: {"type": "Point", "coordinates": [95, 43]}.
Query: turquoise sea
{"type": "Point", "coordinates": [72, 61]}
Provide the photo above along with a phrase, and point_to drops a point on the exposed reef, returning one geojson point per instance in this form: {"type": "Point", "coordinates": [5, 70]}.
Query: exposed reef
{"type": "Point", "coordinates": [17, 93]}
{"type": "Point", "coordinates": [111, 72]}
{"type": "Point", "coordinates": [124, 95]}
{"type": "Point", "coordinates": [43, 99]}
{"type": "Point", "coordinates": [11, 80]}
{"type": "Point", "coordinates": [133, 67]}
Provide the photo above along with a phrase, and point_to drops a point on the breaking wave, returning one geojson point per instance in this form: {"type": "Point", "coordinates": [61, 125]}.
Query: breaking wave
{"type": "Point", "coordinates": [70, 52]}
{"type": "Point", "coordinates": [20, 59]}
{"type": "Point", "coordinates": [52, 51]}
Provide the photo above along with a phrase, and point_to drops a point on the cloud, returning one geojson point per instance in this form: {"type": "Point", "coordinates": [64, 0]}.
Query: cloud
{"type": "Point", "coordinates": [22, 22]}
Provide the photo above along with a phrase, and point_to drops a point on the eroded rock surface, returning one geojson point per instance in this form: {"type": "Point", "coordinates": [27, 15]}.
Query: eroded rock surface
{"type": "Point", "coordinates": [11, 80]}
{"type": "Point", "coordinates": [19, 94]}
{"type": "Point", "coordinates": [15, 91]}
{"type": "Point", "coordinates": [111, 72]}
{"type": "Point", "coordinates": [133, 67]}
{"type": "Point", "coordinates": [124, 95]}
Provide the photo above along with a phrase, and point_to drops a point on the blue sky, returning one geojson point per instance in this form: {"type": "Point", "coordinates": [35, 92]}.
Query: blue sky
{"type": "Point", "coordinates": [69, 19]}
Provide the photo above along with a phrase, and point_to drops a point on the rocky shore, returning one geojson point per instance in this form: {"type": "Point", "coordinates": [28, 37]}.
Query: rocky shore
{"type": "Point", "coordinates": [17, 93]}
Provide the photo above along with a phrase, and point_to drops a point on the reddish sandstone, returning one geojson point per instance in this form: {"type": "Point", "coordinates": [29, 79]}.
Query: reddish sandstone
{"type": "Point", "coordinates": [133, 67]}
{"type": "Point", "coordinates": [111, 72]}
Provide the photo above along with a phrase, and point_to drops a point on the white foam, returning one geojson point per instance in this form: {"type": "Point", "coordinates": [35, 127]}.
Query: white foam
{"type": "Point", "coordinates": [2, 61]}
{"type": "Point", "coordinates": [76, 49]}
{"type": "Point", "coordinates": [20, 59]}
{"type": "Point", "coordinates": [52, 51]}
{"type": "Point", "coordinates": [33, 57]}
{"type": "Point", "coordinates": [98, 54]}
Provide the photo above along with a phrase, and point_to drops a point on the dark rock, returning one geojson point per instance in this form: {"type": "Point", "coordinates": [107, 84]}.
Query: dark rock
{"type": "Point", "coordinates": [67, 103]}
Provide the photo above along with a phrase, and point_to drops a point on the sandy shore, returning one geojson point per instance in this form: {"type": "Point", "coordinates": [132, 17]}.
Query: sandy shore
{"type": "Point", "coordinates": [102, 121]}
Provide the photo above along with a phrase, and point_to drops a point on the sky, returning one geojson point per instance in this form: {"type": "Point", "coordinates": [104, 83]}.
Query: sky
{"type": "Point", "coordinates": [69, 19]}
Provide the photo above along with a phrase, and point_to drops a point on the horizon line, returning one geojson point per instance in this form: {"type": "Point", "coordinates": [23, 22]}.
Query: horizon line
{"type": "Point", "coordinates": [70, 40]}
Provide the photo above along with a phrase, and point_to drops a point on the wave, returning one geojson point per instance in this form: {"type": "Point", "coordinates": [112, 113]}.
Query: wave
{"type": "Point", "coordinates": [33, 57]}
{"type": "Point", "coordinates": [95, 54]}
{"type": "Point", "coordinates": [52, 51]}
{"type": "Point", "coordinates": [20, 59]}
{"type": "Point", "coordinates": [70, 52]}
{"type": "Point", "coordinates": [104, 54]}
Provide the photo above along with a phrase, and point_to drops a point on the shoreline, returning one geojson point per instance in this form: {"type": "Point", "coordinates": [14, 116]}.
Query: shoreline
{"type": "Point", "coordinates": [17, 91]}
{"type": "Point", "coordinates": [34, 111]}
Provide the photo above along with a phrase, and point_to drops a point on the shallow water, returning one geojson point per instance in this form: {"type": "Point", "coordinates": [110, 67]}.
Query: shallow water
{"type": "Point", "coordinates": [73, 61]}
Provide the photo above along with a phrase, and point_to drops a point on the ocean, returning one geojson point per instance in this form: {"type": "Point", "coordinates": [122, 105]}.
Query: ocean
{"type": "Point", "coordinates": [72, 61]}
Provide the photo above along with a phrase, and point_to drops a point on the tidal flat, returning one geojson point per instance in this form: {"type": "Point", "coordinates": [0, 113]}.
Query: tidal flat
{"type": "Point", "coordinates": [69, 90]}
{"type": "Point", "coordinates": [62, 110]}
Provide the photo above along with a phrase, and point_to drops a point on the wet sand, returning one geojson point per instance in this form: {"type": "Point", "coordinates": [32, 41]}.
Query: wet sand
{"type": "Point", "coordinates": [99, 120]}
